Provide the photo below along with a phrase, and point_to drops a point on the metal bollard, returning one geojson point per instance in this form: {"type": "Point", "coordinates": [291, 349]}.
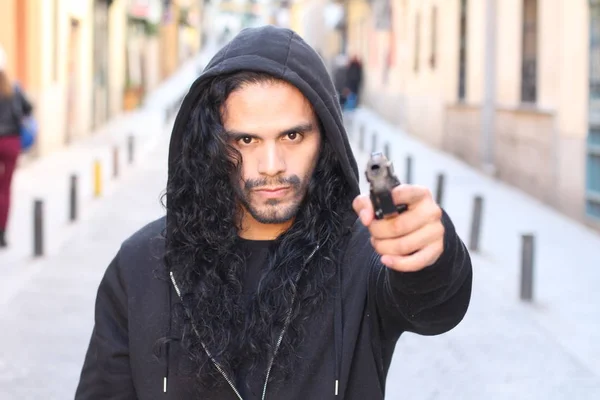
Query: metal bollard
{"type": "Point", "coordinates": [73, 199]}
{"type": "Point", "coordinates": [361, 138]}
{"type": "Point", "coordinates": [527, 261]}
{"type": "Point", "coordinates": [476, 224]}
{"type": "Point", "coordinates": [115, 162]}
{"type": "Point", "coordinates": [408, 171]}
{"type": "Point", "coordinates": [374, 142]}
{"type": "Point", "coordinates": [439, 194]}
{"type": "Point", "coordinates": [130, 148]}
{"type": "Point", "coordinates": [97, 178]}
{"type": "Point", "coordinates": [38, 228]}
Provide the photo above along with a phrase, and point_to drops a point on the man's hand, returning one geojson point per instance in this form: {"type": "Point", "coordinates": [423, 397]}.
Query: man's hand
{"type": "Point", "coordinates": [409, 241]}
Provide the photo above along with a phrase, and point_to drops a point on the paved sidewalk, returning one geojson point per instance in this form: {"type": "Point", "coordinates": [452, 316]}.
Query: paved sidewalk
{"type": "Point", "coordinates": [504, 349]}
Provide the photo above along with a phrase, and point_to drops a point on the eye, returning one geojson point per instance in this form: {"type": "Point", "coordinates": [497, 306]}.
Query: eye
{"type": "Point", "coordinates": [294, 136]}
{"type": "Point", "coordinates": [245, 140]}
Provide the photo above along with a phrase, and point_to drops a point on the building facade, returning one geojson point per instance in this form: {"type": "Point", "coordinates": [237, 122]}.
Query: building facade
{"type": "Point", "coordinates": [180, 33]}
{"type": "Point", "coordinates": [509, 86]}
{"type": "Point", "coordinates": [79, 61]}
{"type": "Point", "coordinates": [58, 50]}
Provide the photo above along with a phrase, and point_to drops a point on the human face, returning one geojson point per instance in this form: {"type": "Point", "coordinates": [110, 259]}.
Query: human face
{"type": "Point", "coordinates": [274, 128]}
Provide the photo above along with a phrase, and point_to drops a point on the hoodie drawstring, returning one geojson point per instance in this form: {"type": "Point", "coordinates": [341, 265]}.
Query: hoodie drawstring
{"type": "Point", "coordinates": [167, 345]}
{"type": "Point", "coordinates": [338, 323]}
{"type": "Point", "coordinates": [337, 330]}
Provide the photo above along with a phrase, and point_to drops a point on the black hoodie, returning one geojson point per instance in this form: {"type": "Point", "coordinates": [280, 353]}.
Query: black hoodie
{"type": "Point", "coordinates": [350, 344]}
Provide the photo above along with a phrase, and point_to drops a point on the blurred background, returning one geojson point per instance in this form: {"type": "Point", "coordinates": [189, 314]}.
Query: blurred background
{"type": "Point", "coordinates": [492, 104]}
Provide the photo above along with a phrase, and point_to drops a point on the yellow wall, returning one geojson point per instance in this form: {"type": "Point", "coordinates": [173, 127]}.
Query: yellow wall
{"type": "Point", "coordinates": [117, 43]}
{"type": "Point", "coordinates": [295, 17]}
{"type": "Point", "coordinates": [509, 53]}
{"type": "Point", "coordinates": [48, 68]}
{"type": "Point", "coordinates": [574, 69]}
{"type": "Point", "coordinates": [169, 45]}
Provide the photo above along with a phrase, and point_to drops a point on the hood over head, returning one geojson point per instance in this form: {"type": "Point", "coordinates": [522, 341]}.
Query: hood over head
{"type": "Point", "coordinates": [283, 54]}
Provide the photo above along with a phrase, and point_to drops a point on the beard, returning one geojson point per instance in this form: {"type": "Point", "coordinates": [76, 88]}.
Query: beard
{"type": "Point", "coordinates": [273, 211]}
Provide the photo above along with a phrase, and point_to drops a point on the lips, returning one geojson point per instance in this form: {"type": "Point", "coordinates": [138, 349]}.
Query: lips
{"type": "Point", "coordinates": [273, 192]}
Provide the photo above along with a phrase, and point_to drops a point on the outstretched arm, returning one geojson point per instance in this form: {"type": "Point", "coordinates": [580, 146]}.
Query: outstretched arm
{"type": "Point", "coordinates": [421, 274]}
{"type": "Point", "coordinates": [429, 301]}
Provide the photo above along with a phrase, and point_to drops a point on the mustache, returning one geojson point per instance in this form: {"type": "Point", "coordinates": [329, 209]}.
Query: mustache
{"type": "Point", "coordinates": [294, 181]}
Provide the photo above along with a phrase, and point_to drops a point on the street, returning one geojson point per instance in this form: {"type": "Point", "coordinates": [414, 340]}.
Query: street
{"type": "Point", "coordinates": [494, 106]}
{"type": "Point", "coordinates": [504, 348]}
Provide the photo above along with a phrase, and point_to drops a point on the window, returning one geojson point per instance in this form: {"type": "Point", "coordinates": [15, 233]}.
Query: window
{"type": "Point", "coordinates": [417, 41]}
{"type": "Point", "coordinates": [433, 37]}
{"type": "Point", "coordinates": [462, 52]}
{"type": "Point", "coordinates": [529, 53]}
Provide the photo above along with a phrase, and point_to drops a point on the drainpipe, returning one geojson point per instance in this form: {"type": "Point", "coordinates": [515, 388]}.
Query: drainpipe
{"type": "Point", "coordinates": [489, 101]}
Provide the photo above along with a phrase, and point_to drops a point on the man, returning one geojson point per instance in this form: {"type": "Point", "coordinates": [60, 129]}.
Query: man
{"type": "Point", "coordinates": [261, 282]}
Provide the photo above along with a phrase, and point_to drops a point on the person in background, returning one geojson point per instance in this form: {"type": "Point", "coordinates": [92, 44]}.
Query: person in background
{"type": "Point", "coordinates": [354, 76]}
{"type": "Point", "coordinates": [13, 107]}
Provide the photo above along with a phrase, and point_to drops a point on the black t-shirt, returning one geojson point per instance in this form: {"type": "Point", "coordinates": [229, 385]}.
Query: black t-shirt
{"type": "Point", "coordinates": [257, 252]}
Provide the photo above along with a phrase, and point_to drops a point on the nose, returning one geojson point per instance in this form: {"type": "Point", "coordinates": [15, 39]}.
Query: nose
{"type": "Point", "coordinates": [272, 160]}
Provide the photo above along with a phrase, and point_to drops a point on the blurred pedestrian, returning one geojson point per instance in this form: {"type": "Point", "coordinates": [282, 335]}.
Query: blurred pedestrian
{"type": "Point", "coordinates": [269, 276]}
{"type": "Point", "coordinates": [354, 78]}
{"type": "Point", "coordinates": [13, 108]}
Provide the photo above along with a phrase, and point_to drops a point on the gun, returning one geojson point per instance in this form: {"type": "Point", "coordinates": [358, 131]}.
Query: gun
{"type": "Point", "coordinates": [380, 175]}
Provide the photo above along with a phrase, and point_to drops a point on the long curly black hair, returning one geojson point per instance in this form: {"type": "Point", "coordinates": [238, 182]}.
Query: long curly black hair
{"type": "Point", "coordinates": [203, 253]}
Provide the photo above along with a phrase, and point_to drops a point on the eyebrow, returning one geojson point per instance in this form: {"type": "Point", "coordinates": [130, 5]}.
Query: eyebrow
{"type": "Point", "coordinates": [301, 128]}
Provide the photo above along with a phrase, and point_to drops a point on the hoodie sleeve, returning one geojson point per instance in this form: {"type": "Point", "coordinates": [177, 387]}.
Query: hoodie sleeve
{"type": "Point", "coordinates": [106, 373]}
{"type": "Point", "coordinates": [431, 301]}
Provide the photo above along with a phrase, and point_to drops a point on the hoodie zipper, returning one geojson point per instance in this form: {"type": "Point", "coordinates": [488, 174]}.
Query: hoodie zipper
{"type": "Point", "coordinates": [279, 340]}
